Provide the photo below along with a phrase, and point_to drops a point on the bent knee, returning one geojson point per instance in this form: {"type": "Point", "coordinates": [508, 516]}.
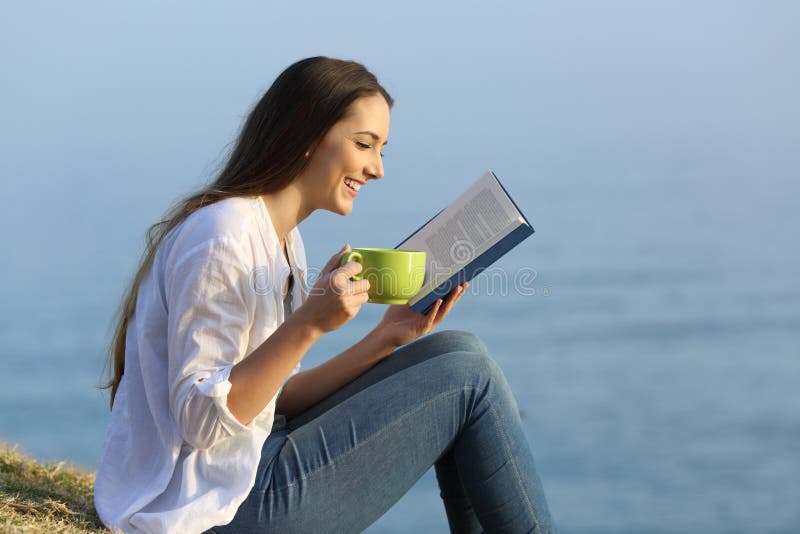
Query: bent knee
{"type": "Point", "coordinates": [470, 365]}
{"type": "Point", "coordinates": [455, 341]}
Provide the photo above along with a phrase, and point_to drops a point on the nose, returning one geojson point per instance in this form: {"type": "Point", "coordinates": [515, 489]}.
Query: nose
{"type": "Point", "coordinates": [374, 169]}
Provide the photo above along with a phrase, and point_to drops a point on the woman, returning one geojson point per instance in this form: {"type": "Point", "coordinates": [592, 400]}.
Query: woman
{"type": "Point", "coordinates": [214, 428]}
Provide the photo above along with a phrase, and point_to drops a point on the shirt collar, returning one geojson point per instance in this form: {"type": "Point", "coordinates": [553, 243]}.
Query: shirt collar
{"type": "Point", "coordinates": [273, 244]}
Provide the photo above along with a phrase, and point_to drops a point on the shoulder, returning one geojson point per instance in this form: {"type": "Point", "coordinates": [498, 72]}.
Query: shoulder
{"type": "Point", "coordinates": [228, 218]}
{"type": "Point", "coordinates": [227, 229]}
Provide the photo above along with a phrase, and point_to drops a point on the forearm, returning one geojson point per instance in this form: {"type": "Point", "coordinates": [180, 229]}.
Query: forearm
{"type": "Point", "coordinates": [307, 388]}
{"type": "Point", "coordinates": [256, 379]}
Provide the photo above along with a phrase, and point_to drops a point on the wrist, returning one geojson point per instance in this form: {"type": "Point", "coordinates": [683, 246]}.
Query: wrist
{"type": "Point", "coordinates": [306, 326]}
{"type": "Point", "coordinates": [382, 340]}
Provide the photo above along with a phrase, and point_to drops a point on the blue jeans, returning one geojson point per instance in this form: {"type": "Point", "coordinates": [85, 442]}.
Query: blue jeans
{"type": "Point", "coordinates": [440, 401]}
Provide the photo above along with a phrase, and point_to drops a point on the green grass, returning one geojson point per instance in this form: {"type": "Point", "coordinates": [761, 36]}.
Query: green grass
{"type": "Point", "coordinates": [45, 498]}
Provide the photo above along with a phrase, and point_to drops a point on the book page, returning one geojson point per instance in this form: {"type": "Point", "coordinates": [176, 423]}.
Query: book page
{"type": "Point", "coordinates": [437, 274]}
{"type": "Point", "coordinates": [477, 219]}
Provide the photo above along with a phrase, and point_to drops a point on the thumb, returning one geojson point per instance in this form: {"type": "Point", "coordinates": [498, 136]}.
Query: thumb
{"type": "Point", "coordinates": [336, 259]}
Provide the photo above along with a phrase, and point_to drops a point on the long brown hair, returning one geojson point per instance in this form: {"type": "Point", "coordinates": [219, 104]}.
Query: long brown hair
{"type": "Point", "coordinates": [292, 117]}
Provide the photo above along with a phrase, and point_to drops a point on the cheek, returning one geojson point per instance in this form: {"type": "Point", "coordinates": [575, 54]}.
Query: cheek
{"type": "Point", "coordinates": [337, 158]}
{"type": "Point", "coordinates": [346, 156]}
{"type": "Point", "coordinates": [336, 155]}
{"type": "Point", "coordinates": [349, 159]}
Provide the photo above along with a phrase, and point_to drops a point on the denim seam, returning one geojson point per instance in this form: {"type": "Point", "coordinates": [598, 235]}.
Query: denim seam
{"type": "Point", "coordinates": [403, 417]}
{"type": "Point", "coordinates": [518, 476]}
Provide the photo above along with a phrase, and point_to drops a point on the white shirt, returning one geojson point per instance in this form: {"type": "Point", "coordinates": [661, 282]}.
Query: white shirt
{"type": "Point", "coordinates": [174, 458]}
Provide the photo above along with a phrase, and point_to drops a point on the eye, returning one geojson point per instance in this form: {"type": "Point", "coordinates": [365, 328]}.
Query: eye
{"type": "Point", "coordinates": [365, 146]}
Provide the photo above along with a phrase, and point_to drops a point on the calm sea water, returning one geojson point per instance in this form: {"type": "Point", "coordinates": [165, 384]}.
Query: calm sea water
{"type": "Point", "coordinates": [654, 353]}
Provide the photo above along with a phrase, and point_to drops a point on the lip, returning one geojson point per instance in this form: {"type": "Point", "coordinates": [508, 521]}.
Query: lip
{"type": "Point", "coordinates": [353, 194]}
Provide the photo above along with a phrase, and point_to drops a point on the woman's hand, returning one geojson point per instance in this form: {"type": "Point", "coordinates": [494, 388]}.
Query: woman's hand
{"type": "Point", "coordinates": [401, 324]}
{"type": "Point", "coordinates": [334, 299]}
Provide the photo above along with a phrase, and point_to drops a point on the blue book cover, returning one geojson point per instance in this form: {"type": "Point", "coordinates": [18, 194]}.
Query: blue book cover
{"type": "Point", "coordinates": [464, 239]}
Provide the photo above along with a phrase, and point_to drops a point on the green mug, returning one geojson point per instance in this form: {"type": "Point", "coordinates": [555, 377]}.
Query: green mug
{"type": "Point", "coordinates": [394, 275]}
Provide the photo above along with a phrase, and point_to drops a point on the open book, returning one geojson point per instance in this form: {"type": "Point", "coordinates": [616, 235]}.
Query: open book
{"type": "Point", "coordinates": [465, 238]}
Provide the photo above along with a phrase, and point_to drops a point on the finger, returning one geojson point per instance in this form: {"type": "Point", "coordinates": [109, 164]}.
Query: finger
{"type": "Point", "coordinates": [452, 298]}
{"type": "Point", "coordinates": [344, 273]}
{"type": "Point", "coordinates": [462, 292]}
{"type": "Point", "coordinates": [336, 259]}
{"type": "Point", "coordinates": [358, 287]}
{"type": "Point", "coordinates": [434, 312]}
{"type": "Point", "coordinates": [459, 290]}
{"type": "Point", "coordinates": [350, 269]}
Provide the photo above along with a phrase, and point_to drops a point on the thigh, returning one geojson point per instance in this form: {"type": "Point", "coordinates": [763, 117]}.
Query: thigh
{"type": "Point", "coordinates": [406, 356]}
{"type": "Point", "coordinates": [343, 469]}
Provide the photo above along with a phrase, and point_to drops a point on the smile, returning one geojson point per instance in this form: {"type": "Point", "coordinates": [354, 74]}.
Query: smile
{"type": "Point", "coordinates": [352, 184]}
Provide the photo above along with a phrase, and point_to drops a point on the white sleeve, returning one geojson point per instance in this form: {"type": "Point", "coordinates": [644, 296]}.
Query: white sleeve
{"type": "Point", "coordinates": [210, 314]}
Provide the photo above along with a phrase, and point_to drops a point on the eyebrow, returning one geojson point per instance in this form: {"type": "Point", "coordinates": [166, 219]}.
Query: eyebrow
{"type": "Point", "coordinates": [373, 135]}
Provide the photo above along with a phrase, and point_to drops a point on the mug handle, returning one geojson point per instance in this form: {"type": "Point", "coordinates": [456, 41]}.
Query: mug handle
{"type": "Point", "coordinates": [354, 256]}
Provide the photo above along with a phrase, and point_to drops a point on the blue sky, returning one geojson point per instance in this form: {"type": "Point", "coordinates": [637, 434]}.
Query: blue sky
{"type": "Point", "coordinates": [113, 111]}
{"type": "Point", "coordinates": [562, 86]}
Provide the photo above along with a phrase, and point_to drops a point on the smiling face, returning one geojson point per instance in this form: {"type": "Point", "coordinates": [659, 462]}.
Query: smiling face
{"type": "Point", "coordinates": [350, 152]}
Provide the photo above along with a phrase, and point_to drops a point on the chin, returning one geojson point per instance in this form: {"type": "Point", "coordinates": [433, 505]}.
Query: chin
{"type": "Point", "coordinates": [341, 209]}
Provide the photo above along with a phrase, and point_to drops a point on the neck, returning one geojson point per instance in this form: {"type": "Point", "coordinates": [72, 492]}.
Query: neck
{"type": "Point", "coordinates": [286, 209]}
